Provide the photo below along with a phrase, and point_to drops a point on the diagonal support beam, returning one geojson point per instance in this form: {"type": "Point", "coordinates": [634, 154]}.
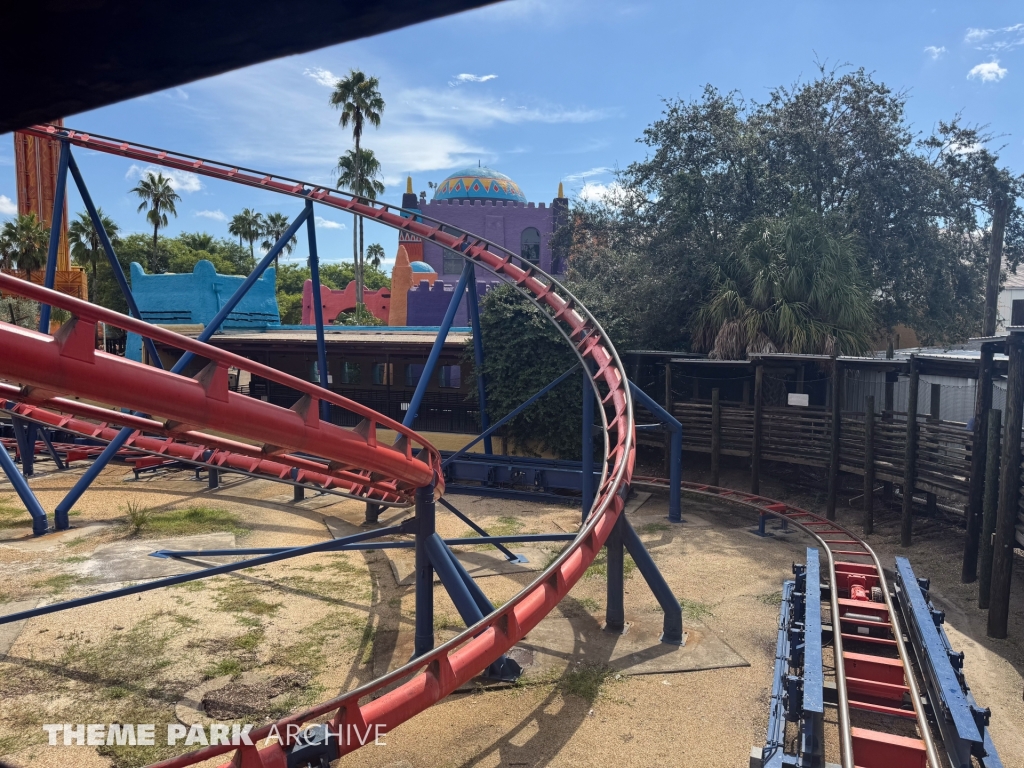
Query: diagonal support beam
{"type": "Point", "coordinates": [676, 461]}
{"type": "Point", "coordinates": [473, 300]}
{"type": "Point", "coordinates": [509, 555]}
{"type": "Point", "coordinates": [56, 225]}
{"type": "Point", "coordinates": [28, 498]}
{"type": "Point", "coordinates": [318, 309]}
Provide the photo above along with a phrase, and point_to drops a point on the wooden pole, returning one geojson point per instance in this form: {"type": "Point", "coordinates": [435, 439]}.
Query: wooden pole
{"type": "Point", "coordinates": [1009, 491]}
{"type": "Point", "coordinates": [833, 463]}
{"type": "Point", "coordinates": [910, 455]}
{"type": "Point", "coordinates": [716, 437]}
{"type": "Point", "coordinates": [1000, 206]}
{"type": "Point", "coordinates": [755, 447]}
{"type": "Point", "coordinates": [989, 504]}
{"type": "Point", "coordinates": [869, 464]}
{"type": "Point", "coordinates": [979, 452]}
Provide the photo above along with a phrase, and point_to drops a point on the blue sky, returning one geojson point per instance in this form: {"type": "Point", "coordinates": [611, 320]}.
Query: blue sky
{"type": "Point", "coordinates": [544, 91]}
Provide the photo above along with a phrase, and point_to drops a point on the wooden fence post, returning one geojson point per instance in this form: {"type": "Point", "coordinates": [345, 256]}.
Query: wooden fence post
{"type": "Point", "coordinates": [910, 455]}
{"type": "Point", "coordinates": [833, 463]}
{"type": "Point", "coordinates": [869, 464]}
{"type": "Point", "coordinates": [979, 462]}
{"type": "Point", "coordinates": [755, 446]}
{"type": "Point", "coordinates": [716, 437]}
{"type": "Point", "coordinates": [989, 503]}
{"type": "Point", "coordinates": [1009, 491]}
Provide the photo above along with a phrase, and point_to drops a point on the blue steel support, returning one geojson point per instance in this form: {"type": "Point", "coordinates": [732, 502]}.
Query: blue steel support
{"type": "Point", "coordinates": [672, 630]}
{"type": "Point", "coordinates": [39, 524]}
{"type": "Point", "coordinates": [478, 356]}
{"type": "Point", "coordinates": [812, 731]}
{"type": "Point", "coordinates": [962, 723]}
{"type": "Point", "coordinates": [775, 740]}
{"type": "Point", "coordinates": [587, 453]}
{"type": "Point", "coordinates": [509, 416]}
{"type": "Point", "coordinates": [615, 611]}
{"type": "Point", "coordinates": [435, 351]}
{"type": "Point", "coordinates": [25, 436]}
{"type": "Point", "coordinates": [50, 449]}
{"type": "Point", "coordinates": [331, 545]}
{"type": "Point", "coordinates": [115, 265]}
{"type": "Point", "coordinates": [118, 442]}
{"type": "Point", "coordinates": [479, 597]}
{"type": "Point", "coordinates": [676, 463]}
{"type": "Point", "coordinates": [56, 224]}
{"type": "Point", "coordinates": [509, 555]}
{"type": "Point", "coordinates": [423, 640]}
{"type": "Point", "coordinates": [318, 309]}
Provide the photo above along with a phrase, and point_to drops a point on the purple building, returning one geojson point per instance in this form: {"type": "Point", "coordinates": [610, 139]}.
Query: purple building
{"type": "Point", "coordinates": [491, 205]}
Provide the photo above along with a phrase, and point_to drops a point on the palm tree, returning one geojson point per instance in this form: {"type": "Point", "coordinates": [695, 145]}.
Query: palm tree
{"type": "Point", "coordinates": [159, 196]}
{"type": "Point", "coordinates": [24, 243]}
{"type": "Point", "coordinates": [86, 248]}
{"type": "Point", "coordinates": [375, 254]}
{"type": "Point", "coordinates": [358, 97]}
{"type": "Point", "coordinates": [793, 286]}
{"type": "Point", "coordinates": [248, 225]}
{"type": "Point", "coordinates": [367, 170]}
{"type": "Point", "coordinates": [273, 230]}
{"type": "Point", "coordinates": [199, 241]}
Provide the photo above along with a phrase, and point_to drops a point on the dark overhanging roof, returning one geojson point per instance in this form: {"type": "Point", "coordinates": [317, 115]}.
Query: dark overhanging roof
{"type": "Point", "coordinates": [62, 57]}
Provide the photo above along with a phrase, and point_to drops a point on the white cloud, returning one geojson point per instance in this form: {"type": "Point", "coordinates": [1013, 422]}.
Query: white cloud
{"type": "Point", "coordinates": [989, 72]}
{"type": "Point", "coordinates": [181, 181]}
{"type": "Point", "coordinates": [584, 175]}
{"type": "Point", "coordinates": [600, 192]}
{"type": "Point", "coordinates": [322, 76]}
{"type": "Point", "coordinates": [7, 206]}
{"type": "Point", "coordinates": [466, 78]}
{"type": "Point", "coordinates": [935, 51]}
{"type": "Point", "coordinates": [1000, 39]}
{"type": "Point", "coordinates": [328, 224]}
{"type": "Point", "coordinates": [215, 215]}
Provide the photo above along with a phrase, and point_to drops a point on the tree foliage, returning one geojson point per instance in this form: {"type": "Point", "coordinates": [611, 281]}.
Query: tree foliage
{"type": "Point", "coordinates": [522, 353]}
{"type": "Point", "coordinates": [86, 248]}
{"type": "Point", "coordinates": [24, 242]}
{"type": "Point", "coordinates": [158, 199]}
{"type": "Point", "coordinates": [838, 146]}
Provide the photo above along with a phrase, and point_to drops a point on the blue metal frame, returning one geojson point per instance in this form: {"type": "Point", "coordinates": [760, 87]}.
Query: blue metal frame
{"type": "Point", "coordinates": [509, 555]}
{"type": "Point", "coordinates": [676, 460]}
{"type": "Point", "coordinates": [472, 300]}
{"type": "Point", "coordinates": [56, 224]}
{"type": "Point", "coordinates": [35, 509]}
{"type": "Point", "coordinates": [330, 545]}
{"type": "Point", "coordinates": [962, 723]}
{"type": "Point", "coordinates": [423, 639]}
{"type": "Point", "coordinates": [318, 309]}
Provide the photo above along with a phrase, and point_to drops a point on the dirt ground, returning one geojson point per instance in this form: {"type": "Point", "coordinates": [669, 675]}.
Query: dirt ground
{"type": "Point", "coordinates": [260, 642]}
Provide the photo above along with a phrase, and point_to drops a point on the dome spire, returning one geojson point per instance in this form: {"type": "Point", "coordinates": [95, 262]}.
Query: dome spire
{"type": "Point", "coordinates": [408, 185]}
{"type": "Point", "coordinates": [560, 193]}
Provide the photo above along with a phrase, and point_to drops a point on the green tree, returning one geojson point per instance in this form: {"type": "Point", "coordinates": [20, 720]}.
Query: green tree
{"type": "Point", "coordinates": [374, 254]}
{"type": "Point", "coordinates": [361, 178]}
{"type": "Point", "coordinates": [158, 199]}
{"type": "Point", "coordinates": [86, 248]}
{"type": "Point", "coordinates": [358, 97]}
{"type": "Point", "coordinates": [24, 243]}
{"type": "Point", "coordinates": [793, 286]}
{"type": "Point", "coordinates": [274, 227]}
{"type": "Point", "coordinates": [248, 225]}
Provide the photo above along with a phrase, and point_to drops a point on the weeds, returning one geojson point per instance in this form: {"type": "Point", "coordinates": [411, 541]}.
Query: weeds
{"type": "Point", "coordinates": [143, 521]}
{"type": "Point", "coordinates": [584, 680]}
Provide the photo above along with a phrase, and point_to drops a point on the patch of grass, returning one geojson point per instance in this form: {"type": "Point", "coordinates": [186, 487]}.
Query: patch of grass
{"type": "Point", "coordinates": [315, 568]}
{"type": "Point", "coordinates": [250, 641]}
{"type": "Point", "coordinates": [13, 515]}
{"type": "Point", "coordinates": [60, 583]}
{"type": "Point", "coordinates": [599, 568]}
{"type": "Point", "coordinates": [241, 597]}
{"type": "Point", "coordinates": [770, 598]}
{"type": "Point", "coordinates": [341, 564]}
{"type": "Point", "coordinates": [503, 526]}
{"type": "Point", "coordinates": [75, 559]}
{"type": "Point", "coordinates": [191, 586]}
{"type": "Point", "coordinates": [138, 709]}
{"type": "Point", "coordinates": [137, 517]}
{"type": "Point", "coordinates": [695, 610]}
{"type": "Point", "coordinates": [126, 659]}
{"type": "Point", "coordinates": [584, 680]}
{"type": "Point", "coordinates": [116, 692]}
{"type": "Point", "coordinates": [444, 621]}
{"type": "Point", "coordinates": [143, 521]}
{"type": "Point", "coordinates": [228, 666]}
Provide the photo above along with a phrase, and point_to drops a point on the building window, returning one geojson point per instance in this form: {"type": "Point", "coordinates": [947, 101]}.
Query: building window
{"type": "Point", "coordinates": [413, 371]}
{"type": "Point", "coordinates": [1017, 312]}
{"type": "Point", "coordinates": [450, 377]}
{"type": "Point", "coordinates": [381, 373]}
{"type": "Point", "coordinates": [529, 245]}
{"type": "Point", "coordinates": [453, 263]}
{"type": "Point", "coordinates": [350, 373]}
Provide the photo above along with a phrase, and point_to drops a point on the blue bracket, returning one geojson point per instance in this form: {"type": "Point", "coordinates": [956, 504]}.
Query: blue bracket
{"type": "Point", "coordinates": [39, 524]}
{"type": "Point", "coordinates": [962, 723]}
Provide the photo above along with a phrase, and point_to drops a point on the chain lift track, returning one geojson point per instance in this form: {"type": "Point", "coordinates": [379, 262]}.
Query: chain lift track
{"type": "Point", "coordinates": [871, 678]}
{"type": "Point", "coordinates": [52, 370]}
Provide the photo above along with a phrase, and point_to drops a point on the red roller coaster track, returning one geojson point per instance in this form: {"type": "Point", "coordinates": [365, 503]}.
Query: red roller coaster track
{"type": "Point", "coordinates": [48, 370]}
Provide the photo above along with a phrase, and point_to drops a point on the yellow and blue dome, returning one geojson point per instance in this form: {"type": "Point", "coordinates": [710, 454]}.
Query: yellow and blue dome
{"type": "Point", "coordinates": [479, 183]}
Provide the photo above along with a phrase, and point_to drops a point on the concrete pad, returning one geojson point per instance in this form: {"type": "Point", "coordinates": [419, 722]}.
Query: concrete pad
{"type": "Point", "coordinates": [9, 632]}
{"type": "Point", "coordinates": [26, 542]}
{"type": "Point", "coordinates": [311, 501]}
{"type": "Point", "coordinates": [131, 561]}
{"type": "Point", "coordinates": [478, 564]}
